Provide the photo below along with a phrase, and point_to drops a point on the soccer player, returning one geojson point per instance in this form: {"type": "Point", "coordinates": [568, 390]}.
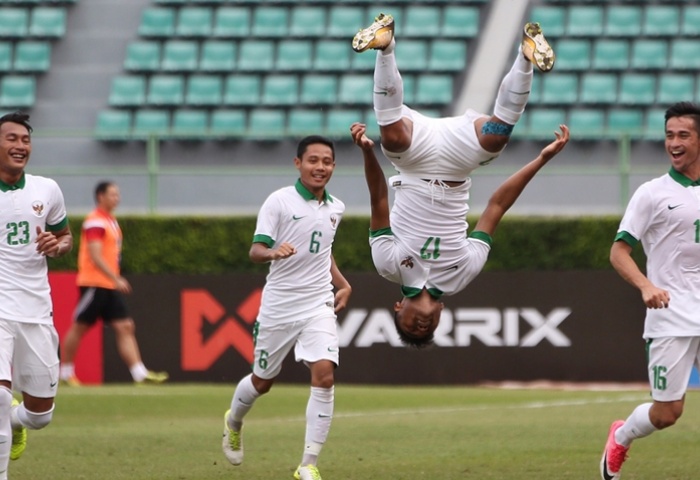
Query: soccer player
{"type": "Point", "coordinates": [102, 290]}
{"type": "Point", "coordinates": [294, 233]}
{"type": "Point", "coordinates": [663, 214]}
{"type": "Point", "coordinates": [33, 226]}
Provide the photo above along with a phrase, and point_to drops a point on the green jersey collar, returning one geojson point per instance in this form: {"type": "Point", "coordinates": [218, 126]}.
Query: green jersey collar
{"type": "Point", "coordinates": [410, 292]}
{"type": "Point", "coordinates": [307, 195]}
{"type": "Point", "coordinates": [4, 187]}
{"type": "Point", "coordinates": [682, 179]}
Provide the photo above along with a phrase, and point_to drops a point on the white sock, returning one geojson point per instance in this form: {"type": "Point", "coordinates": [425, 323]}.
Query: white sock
{"type": "Point", "coordinates": [5, 430]}
{"type": "Point", "coordinates": [242, 402]}
{"type": "Point", "coordinates": [67, 370]}
{"type": "Point", "coordinates": [319, 413]}
{"type": "Point", "coordinates": [388, 87]}
{"type": "Point", "coordinates": [637, 425]}
{"type": "Point", "coordinates": [514, 91]}
{"type": "Point", "coordinates": [138, 372]}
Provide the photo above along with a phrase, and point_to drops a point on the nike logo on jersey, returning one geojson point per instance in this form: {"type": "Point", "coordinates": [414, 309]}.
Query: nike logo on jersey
{"type": "Point", "coordinates": [453, 267]}
{"type": "Point", "coordinates": [323, 415]}
{"type": "Point", "coordinates": [385, 93]}
{"type": "Point", "coordinates": [332, 350]}
{"type": "Point", "coordinates": [52, 384]}
{"type": "Point", "coordinates": [606, 475]}
{"type": "Point", "coordinates": [675, 206]}
{"type": "Point", "coordinates": [294, 217]}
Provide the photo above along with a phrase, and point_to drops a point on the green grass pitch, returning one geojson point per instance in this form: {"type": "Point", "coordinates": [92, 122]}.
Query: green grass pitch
{"type": "Point", "coordinates": [379, 433]}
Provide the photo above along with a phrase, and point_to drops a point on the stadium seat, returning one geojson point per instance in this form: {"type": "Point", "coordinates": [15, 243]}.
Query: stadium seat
{"type": "Point", "coordinates": [412, 55]}
{"type": "Point", "coordinates": [232, 22]}
{"type": "Point", "coordinates": [304, 121]}
{"type": "Point", "coordinates": [370, 120]}
{"type": "Point", "coordinates": [649, 54]}
{"type": "Point", "coordinates": [355, 89]}
{"type": "Point", "coordinates": [266, 124]}
{"type": "Point", "coordinates": [17, 91]}
{"type": "Point", "coordinates": [363, 62]}
{"type": "Point", "coordinates": [611, 55]}
{"type": "Point", "coordinates": [586, 123]}
{"type": "Point", "coordinates": [338, 122]}
{"type": "Point", "coordinates": [434, 90]}
{"type": "Point", "coordinates": [280, 90]}
{"type": "Point", "coordinates": [535, 90]}
{"type": "Point", "coordinates": [655, 123]}
{"type": "Point", "coordinates": [270, 21]}
{"type": "Point", "coordinates": [149, 122]}
{"type": "Point", "coordinates": [447, 55]}
{"type": "Point", "coordinates": [551, 18]}
{"type": "Point", "coordinates": [421, 21]}
{"type": "Point", "coordinates": [661, 20]}
{"type": "Point", "coordinates": [585, 21]}
{"type": "Point", "coordinates": [623, 21]}
{"type": "Point", "coordinates": [204, 90]}
{"type": "Point", "coordinates": [675, 88]}
{"type": "Point", "coordinates": [332, 55]}
{"type": "Point", "coordinates": [128, 91]}
{"type": "Point", "coordinates": [460, 21]}
{"type": "Point", "coordinates": [180, 56]}
{"type": "Point", "coordinates": [690, 21]}
{"type": "Point", "coordinates": [194, 22]}
{"type": "Point", "coordinates": [228, 123]}
{"type": "Point", "coordinates": [684, 54]}
{"type": "Point", "coordinates": [256, 55]}
{"type": "Point", "coordinates": [190, 124]}
{"type": "Point", "coordinates": [543, 121]}
{"type": "Point", "coordinates": [32, 56]}
{"type": "Point", "coordinates": [166, 90]}
{"type": "Point", "coordinates": [319, 90]}
{"type": "Point", "coordinates": [294, 55]}
{"type": "Point", "coordinates": [409, 90]}
{"type": "Point", "coordinates": [625, 121]}
{"type": "Point", "coordinates": [14, 22]}
{"type": "Point", "coordinates": [637, 89]}
{"type": "Point", "coordinates": [560, 89]}
{"type": "Point", "coordinates": [48, 22]}
{"type": "Point", "coordinates": [345, 21]}
{"type": "Point", "coordinates": [142, 56]}
{"type": "Point", "coordinates": [113, 125]}
{"type": "Point", "coordinates": [157, 22]}
{"type": "Point", "coordinates": [573, 54]}
{"type": "Point", "coordinates": [242, 90]}
{"type": "Point", "coordinates": [308, 21]}
{"type": "Point", "coordinates": [217, 56]}
{"type": "Point", "coordinates": [5, 57]}
{"type": "Point", "coordinates": [598, 88]}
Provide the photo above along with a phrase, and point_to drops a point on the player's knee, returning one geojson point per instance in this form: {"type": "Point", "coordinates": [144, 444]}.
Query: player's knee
{"type": "Point", "coordinates": [34, 420]}
{"type": "Point", "coordinates": [666, 417]}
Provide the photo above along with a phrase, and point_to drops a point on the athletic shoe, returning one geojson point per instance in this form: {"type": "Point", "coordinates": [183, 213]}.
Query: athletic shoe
{"type": "Point", "coordinates": [232, 443]}
{"type": "Point", "coordinates": [377, 36]}
{"type": "Point", "coordinates": [71, 381]}
{"type": "Point", "coordinates": [614, 455]}
{"type": "Point", "coordinates": [308, 472]}
{"type": "Point", "coordinates": [19, 439]}
{"type": "Point", "coordinates": [154, 377]}
{"type": "Point", "coordinates": [536, 48]}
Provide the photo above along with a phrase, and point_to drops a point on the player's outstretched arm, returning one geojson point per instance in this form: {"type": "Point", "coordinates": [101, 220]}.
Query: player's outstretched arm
{"type": "Point", "coordinates": [261, 253]}
{"type": "Point", "coordinates": [505, 196]}
{"type": "Point", "coordinates": [374, 175]}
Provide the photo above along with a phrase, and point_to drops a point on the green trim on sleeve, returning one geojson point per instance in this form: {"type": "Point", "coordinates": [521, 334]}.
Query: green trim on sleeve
{"type": "Point", "coordinates": [483, 236]}
{"type": "Point", "coordinates": [627, 238]}
{"type": "Point", "coordinates": [264, 239]}
{"type": "Point", "coordinates": [59, 226]}
{"type": "Point", "coordinates": [381, 232]}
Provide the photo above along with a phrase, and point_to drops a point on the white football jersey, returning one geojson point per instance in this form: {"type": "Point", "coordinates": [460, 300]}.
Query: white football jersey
{"type": "Point", "coordinates": [298, 287]}
{"type": "Point", "coordinates": [664, 215]}
{"type": "Point", "coordinates": [33, 202]}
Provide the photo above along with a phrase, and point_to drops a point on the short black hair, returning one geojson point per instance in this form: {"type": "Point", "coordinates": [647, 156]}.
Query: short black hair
{"type": "Point", "coordinates": [310, 140]}
{"type": "Point", "coordinates": [17, 117]}
{"type": "Point", "coordinates": [410, 341]}
{"type": "Point", "coordinates": [102, 187]}
{"type": "Point", "coordinates": [684, 109]}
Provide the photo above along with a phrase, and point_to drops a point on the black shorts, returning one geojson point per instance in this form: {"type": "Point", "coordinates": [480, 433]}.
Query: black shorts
{"type": "Point", "coordinates": [97, 302]}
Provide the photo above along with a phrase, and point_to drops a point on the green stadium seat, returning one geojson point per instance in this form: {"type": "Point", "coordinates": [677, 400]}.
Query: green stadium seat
{"type": "Point", "coordinates": [17, 91]}
{"type": "Point", "coordinates": [356, 89]}
{"type": "Point", "coordinates": [345, 21]}
{"type": "Point", "coordinates": [655, 124]}
{"type": "Point", "coordinates": [256, 55]}
{"type": "Point", "coordinates": [573, 54]}
{"type": "Point", "coordinates": [308, 21]}
{"type": "Point", "coordinates": [190, 124]}
{"type": "Point", "coordinates": [128, 91]}
{"type": "Point", "coordinates": [684, 54]}
{"type": "Point", "coordinates": [142, 56]}
{"type": "Point", "coordinates": [434, 90]}
{"type": "Point", "coordinates": [598, 88]}
{"type": "Point", "coordinates": [194, 22]}
{"type": "Point", "coordinates": [623, 21]}
{"type": "Point", "coordinates": [460, 21]}
{"type": "Point", "coordinates": [661, 20]}
{"type": "Point", "coordinates": [304, 121]}
{"type": "Point", "coordinates": [586, 123]}
{"type": "Point", "coordinates": [242, 90]}
{"type": "Point", "coordinates": [266, 124]}
{"type": "Point", "coordinates": [280, 90]}
{"type": "Point", "coordinates": [332, 55]}
{"type": "Point", "coordinates": [319, 90]}
{"type": "Point", "coordinates": [543, 121]}
{"type": "Point", "coordinates": [270, 21]}
{"type": "Point", "coordinates": [217, 56]}
{"type": "Point", "coordinates": [649, 54]}
{"type": "Point", "coordinates": [228, 123]}
{"type": "Point", "coordinates": [535, 90]}
{"type": "Point", "coordinates": [690, 21]}
{"type": "Point", "coordinates": [338, 122]}
{"type": "Point", "coordinates": [14, 22]}
{"type": "Point", "coordinates": [204, 90]}
{"type": "Point", "coordinates": [637, 89]}
{"type": "Point", "coordinates": [551, 18]}
{"type": "Point", "coordinates": [363, 62]}
{"type": "Point", "coordinates": [232, 22]}
{"type": "Point", "coordinates": [32, 56]}
{"type": "Point", "coordinates": [6, 57]}
{"type": "Point", "coordinates": [611, 55]}
{"type": "Point", "coordinates": [422, 21]}
{"type": "Point", "coordinates": [166, 90]}
{"type": "Point", "coordinates": [585, 21]}
{"type": "Point", "coordinates": [409, 90]}
{"type": "Point", "coordinates": [675, 88]}
{"type": "Point", "coordinates": [157, 22]}
{"type": "Point", "coordinates": [560, 89]}
{"type": "Point", "coordinates": [48, 22]}
{"type": "Point", "coordinates": [295, 55]}
{"type": "Point", "coordinates": [149, 122]}
{"type": "Point", "coordinates": [370, 120]}
{"type": "Point", "coordinates": [180, 56]}
{"type": "Point", "coordinates": [447, 55]}
{"type": "Point", "coordinates": [412, 55]}
{"type": "Point", "coordinates": [625, 121]}
{"type": "Point", "coordinates": [113, 125]}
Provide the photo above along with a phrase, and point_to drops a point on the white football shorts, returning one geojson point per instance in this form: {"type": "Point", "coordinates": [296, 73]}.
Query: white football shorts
{"type": "Point", "coordinates": [671, 361]}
